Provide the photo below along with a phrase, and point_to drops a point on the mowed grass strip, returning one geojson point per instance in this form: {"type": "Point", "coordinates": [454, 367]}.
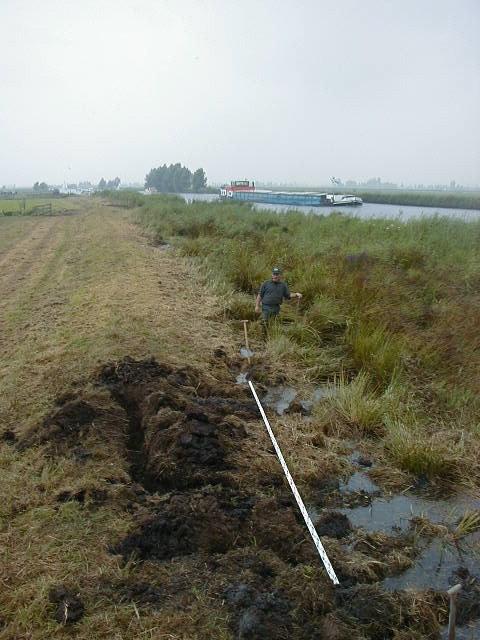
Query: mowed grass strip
{"type": "Point", "coordinates": [93, 294]}
{"type": "Point", "coordinates": [95, 291]}
{"type": "Point", "coordinates": [12, 230]}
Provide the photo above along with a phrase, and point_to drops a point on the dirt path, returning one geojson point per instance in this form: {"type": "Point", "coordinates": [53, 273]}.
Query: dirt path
{"type": "Point", "coordinates": [81, 289]}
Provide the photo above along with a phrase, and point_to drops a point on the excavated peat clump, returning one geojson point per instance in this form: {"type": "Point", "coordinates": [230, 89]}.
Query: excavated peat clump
{"type": "Point", "coordinates": [183, 437]}
{"type": "Point", "coordinates": [180, 433]}
{"type": "Point", "coordinates": [68, 606]}
{"type": "Point", "coordinates": [259, 614]}
{"type": "Point", "coordinates": [210, 521]}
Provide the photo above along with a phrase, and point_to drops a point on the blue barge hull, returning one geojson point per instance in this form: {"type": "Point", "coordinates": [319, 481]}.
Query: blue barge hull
{"type": "Point", "coordinates": [280, 197]}
{"type": "Point", "coordinates": [244, 191]}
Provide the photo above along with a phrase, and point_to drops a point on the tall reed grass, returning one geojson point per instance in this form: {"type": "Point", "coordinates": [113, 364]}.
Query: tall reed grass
{"type": "Point", "coordinates": [433, 457]}
{"type": "Point", "coordinates": [395, 303]}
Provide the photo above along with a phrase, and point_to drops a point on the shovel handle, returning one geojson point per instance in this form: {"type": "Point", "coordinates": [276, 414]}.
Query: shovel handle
{"type": "Point", "coordinates": [246, 338]}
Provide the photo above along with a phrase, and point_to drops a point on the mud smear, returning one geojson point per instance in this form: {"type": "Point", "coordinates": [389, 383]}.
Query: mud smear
{"type": "Point", "coordinates": [333, 525]}
{"type": "Point", "coordinates": [259, 614]}
{"type": "Point", "coordinates": [177, 438]}
{"type": "Point", "coordinates": [209, 521]}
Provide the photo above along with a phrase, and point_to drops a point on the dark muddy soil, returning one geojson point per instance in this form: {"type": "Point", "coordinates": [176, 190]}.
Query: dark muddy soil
{"type": "Point", "coordinates": [333, 525]}
{"type": "Point", "coordinates": [205, 521]}
{"type": "Point", "coordinates": [8, 436]}
{"type": "Point", "coordinates": [68, 606]}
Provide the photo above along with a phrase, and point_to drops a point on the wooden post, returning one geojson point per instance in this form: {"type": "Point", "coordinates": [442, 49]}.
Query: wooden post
{"type": "Point", "coordinates": [452, 594]}
{"type": "Point", "coordinates": [246, 339]}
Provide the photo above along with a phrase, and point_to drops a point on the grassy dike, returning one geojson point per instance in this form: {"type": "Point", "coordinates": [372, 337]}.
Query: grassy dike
{"type": "Point", "coordinates": [388, 318]}
{"type": "Point", "coordinates": [145, 490]}
{"type": "Point", "coordinates": [446, 199]}
{"type": "Point", "coordinates": [76, 292]}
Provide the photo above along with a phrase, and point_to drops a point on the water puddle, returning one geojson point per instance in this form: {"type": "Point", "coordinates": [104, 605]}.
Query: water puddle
{"type": "Point", "coordinates": [438, 558]}
{"type": "Point", "coordinates": [246, 353]}
{"type": "Point", "coordinates": [394, 514]}
{"type": "Point", "coordinates": [469, 631]}
{"type": "Point", "coordinates": [358, 458]}
{"type": "Point", "coordinates": [306, 406]}
{"type": "Point", "coordinates": [280, 398]}
{"type": "Point", "coordinates": [436, 564]}
{"type": "Point", "coordinates": [242, 378]}
{"type": "Point", "coordinates": [359, 482]}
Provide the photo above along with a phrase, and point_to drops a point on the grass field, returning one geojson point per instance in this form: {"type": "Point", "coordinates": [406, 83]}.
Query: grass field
{"type": "Point", "coordinates": [148, 490]}
{"type": "Point", "coordinates": [31, 206]}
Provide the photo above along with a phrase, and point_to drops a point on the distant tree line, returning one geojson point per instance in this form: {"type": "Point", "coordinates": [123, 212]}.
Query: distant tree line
{"type": "Point", "coordinates": [109, 184]}
{"type": "Point", "coordinates": [175, 179]}
{"type": "Point", "coordinates": [40, 186]}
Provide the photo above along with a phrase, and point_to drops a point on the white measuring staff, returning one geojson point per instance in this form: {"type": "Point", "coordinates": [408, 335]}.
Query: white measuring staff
{"type": "Point", "coordinates": [306, 517]}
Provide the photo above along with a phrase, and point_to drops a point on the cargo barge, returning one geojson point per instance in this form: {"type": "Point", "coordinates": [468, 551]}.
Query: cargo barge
{"type": "Point", "coordinates": [245, 191]}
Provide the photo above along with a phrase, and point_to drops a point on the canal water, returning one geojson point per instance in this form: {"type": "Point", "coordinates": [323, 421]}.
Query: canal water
{"type": "Point", "coordinates": [367, 210]}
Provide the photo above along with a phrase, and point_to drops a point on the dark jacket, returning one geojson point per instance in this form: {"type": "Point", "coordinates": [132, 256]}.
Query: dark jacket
{"type": "Point", "coordinates": [272, 293]}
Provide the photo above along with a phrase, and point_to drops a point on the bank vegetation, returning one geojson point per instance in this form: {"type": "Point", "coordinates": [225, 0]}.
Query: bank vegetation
{"type": "Point", "coordinates": [389, 317]}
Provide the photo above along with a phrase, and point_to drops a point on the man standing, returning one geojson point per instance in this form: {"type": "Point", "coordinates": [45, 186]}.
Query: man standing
{"type": "Point", "coordinates": [271, 295]}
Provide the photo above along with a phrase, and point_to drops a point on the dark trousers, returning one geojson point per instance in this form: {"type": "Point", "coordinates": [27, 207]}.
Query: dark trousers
{"type": "Point", "coordinates": [269, 314]}
{"type": "Point", "coordinates": [270, 311]}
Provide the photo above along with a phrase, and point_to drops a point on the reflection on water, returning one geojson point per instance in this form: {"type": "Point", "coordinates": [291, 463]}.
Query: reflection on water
{"type": "Point", "coordinates": [394, 514]}
{"type": "Point", "coordinates": [242, 378]}
{"type": "Point", "coordinates": [280, 398]}
{"type": "Point", "coordinates": [434, 567]}
{"type": "Point", "coordinates": [439, 558]}
{"type": "Point", "coordinates": [359, 482]}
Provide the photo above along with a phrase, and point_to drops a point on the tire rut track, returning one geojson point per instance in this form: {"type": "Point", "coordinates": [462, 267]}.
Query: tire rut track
{"type": "Point", "coordinates": [21, 259]}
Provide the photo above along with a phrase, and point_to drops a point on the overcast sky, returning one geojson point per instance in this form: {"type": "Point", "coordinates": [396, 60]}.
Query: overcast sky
{"type": "Point", "coordinates": [271, 90]}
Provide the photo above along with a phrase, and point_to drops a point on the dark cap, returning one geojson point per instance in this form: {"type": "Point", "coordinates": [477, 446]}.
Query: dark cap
{"type": "Point", "coordinates": [276, 271]}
